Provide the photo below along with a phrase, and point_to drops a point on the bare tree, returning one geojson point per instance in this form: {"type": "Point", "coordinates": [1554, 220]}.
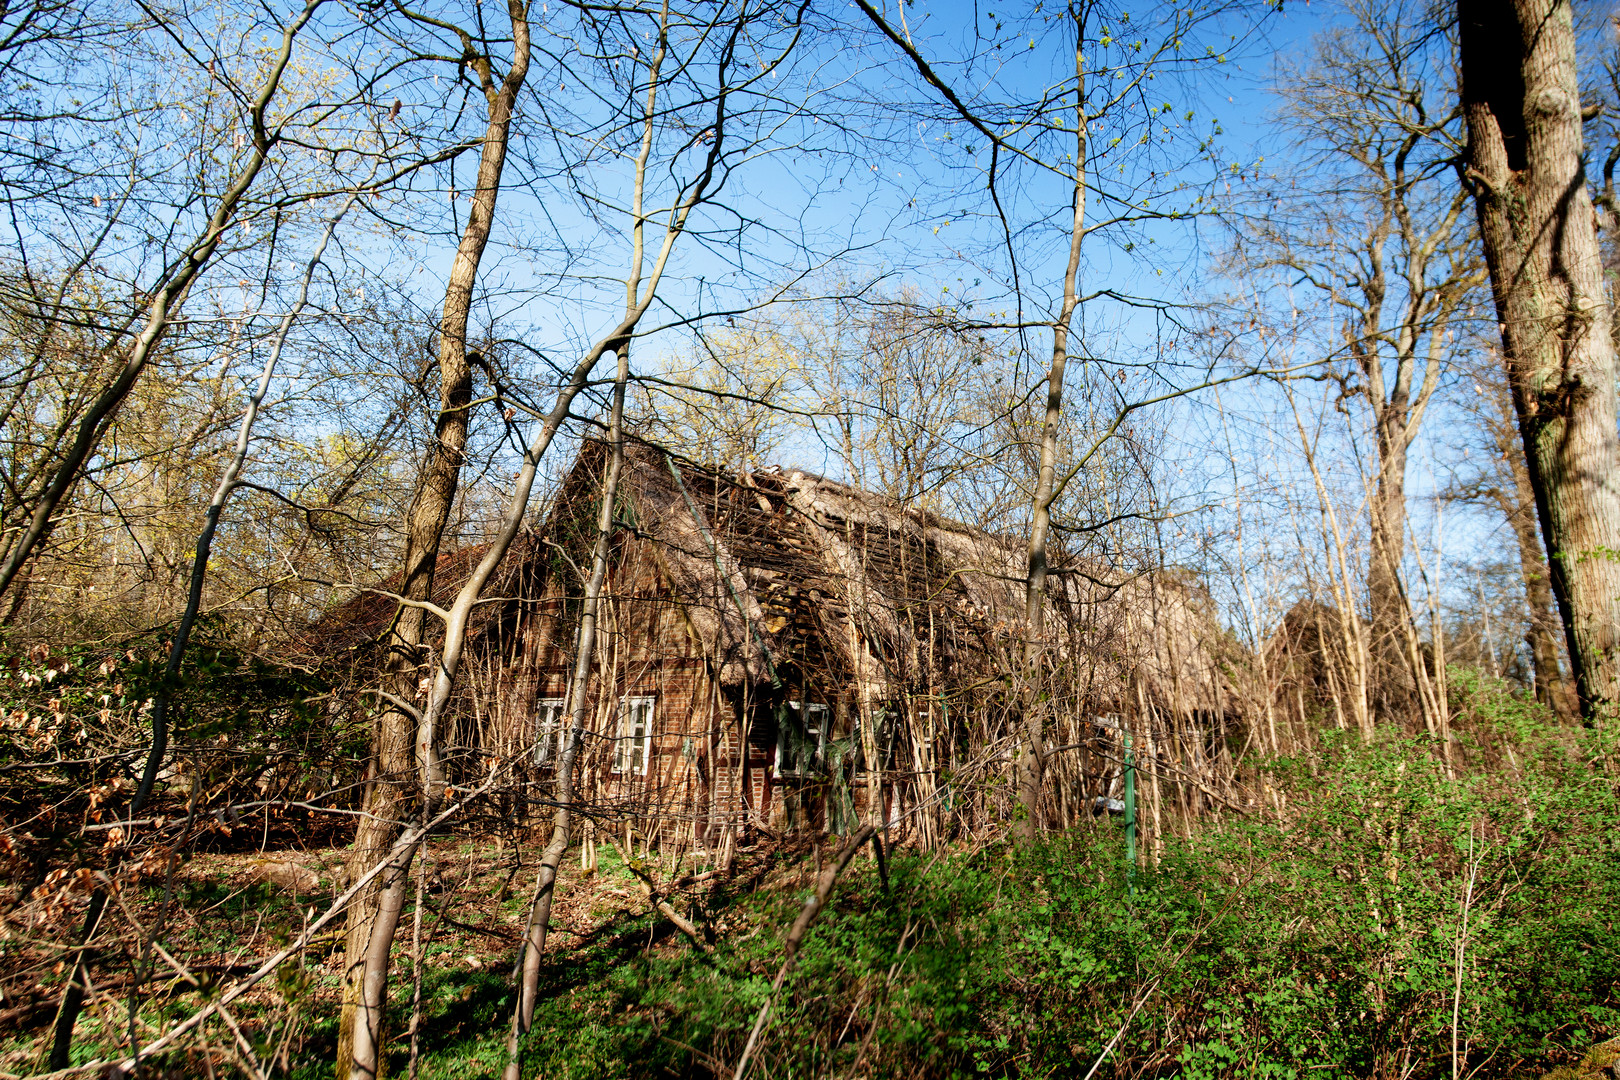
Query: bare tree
{"type": "Point", "coordinates": [392, 773]}
{"type": "Point", "coordinates": [1091, 152]}
{"type": "Point", "coordinates": [167, 293]}
{"type": "Point", "coordinates": [1526, 174]}
{"type": "Point", "coordinates": [732, 404]}
{"type": "Point", "coordinates": [927, 399]}
{"type": "Point", "coordinates": [1369, 219]}
{"type": "Point", "coordinates": [158, 157]}
{"type": "Point", "coordinates": [685, 99]}
{"type": "Point", "coordinates": [73, 1000]}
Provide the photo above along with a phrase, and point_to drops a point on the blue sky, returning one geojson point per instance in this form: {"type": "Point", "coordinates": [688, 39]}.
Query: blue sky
{"type": "Point", "coordinates": [900, 197]}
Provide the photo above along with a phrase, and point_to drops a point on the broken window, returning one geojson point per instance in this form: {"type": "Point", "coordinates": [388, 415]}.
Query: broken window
{"type": "Point", "coordinates": [548, 717]}
{"type": "Point", "coordinates": [801, 740]}
{"type": "Point", "coordinates": [635, 736]}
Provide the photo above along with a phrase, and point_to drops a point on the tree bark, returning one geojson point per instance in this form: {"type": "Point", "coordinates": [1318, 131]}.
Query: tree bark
{"type": "Point", "coordinates": [1416, 343]}
{"type": "Point", "coordinates": [1521, 99]}
{"type": "Point", "coordinates": [1396, 683]}
{"type": "Point", "coordinates": [641, 286]}
{"type": "Point", "coordinates": [392, 781]}
{"type": "Point", "coordinates": [1393, 688]}
{"type": "Point", "coordinates": [1032, 761]}
{"type": "Point", "coordinates": [1392, 255]}
{"type": "Point", "coordinates": [73, 1000]}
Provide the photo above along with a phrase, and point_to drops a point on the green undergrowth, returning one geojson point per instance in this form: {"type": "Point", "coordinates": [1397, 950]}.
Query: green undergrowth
{"type": "Point", "coordinates": [1381, 917]}
{"type": "Point", "coordinates": [1326, 943]}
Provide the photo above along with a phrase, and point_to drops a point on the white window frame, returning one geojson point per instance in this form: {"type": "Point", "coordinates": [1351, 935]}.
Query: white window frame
{"type": "Point", "coordinates": [817, 719]}
{"type": "Point", "coordinates": [548, 727]}
{"type": "Point", "coordinates": [633, 744]}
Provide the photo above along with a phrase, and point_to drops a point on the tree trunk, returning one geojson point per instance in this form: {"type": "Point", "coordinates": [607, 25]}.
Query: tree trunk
{"type": "Point", "coordinates": [1032, 761]}
{"type": "Point", "coordinates": [392, 783]}
{"type": "Point", "coordinates": [534, 936]}
{"type": "Point", "coordinates": [1393, 686]}
{"type": "Point", "coordinates": [1521, 99]}
{"type": "Point", "coordinates": [73, 1001]}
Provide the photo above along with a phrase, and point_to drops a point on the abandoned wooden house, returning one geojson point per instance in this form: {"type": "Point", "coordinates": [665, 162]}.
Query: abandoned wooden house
{"type": "Point", "coordinates": [781, 651]}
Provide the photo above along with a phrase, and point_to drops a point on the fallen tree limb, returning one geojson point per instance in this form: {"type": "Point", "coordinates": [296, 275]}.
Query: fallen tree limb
{"type": "Point", "coordinates": [127, 1065]}
{"type": "Point", "coordinates": [661, 905]}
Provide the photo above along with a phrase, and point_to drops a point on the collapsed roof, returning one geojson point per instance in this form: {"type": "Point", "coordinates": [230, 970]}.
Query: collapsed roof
{"type": "Point", "coordinates": [788, 574]}
{"type": "Point", "coordinates": [787, 569]}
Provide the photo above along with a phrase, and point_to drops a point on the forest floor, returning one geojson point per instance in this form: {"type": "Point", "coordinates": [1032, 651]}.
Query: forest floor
{"type": "Point", "coordinates": [229, 909]}
{"type": "Point", "coordinates": [1404, 922]}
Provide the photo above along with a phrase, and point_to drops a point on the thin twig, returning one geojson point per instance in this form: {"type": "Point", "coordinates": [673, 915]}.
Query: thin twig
{"type": "Point", "coordinates": [1462, 947]}
{"type": "Point", "coordinates": [249, 1059]}
{"type": "Point", "coordinates": [416, 971]}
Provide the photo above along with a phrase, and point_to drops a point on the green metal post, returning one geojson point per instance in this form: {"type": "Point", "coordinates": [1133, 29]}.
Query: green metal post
{"type": "Point", "coordinates": [1130, 815]}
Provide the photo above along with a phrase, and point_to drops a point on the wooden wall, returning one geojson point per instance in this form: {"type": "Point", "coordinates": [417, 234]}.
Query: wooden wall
{"type": "Point", "coordinates": [695, 782]}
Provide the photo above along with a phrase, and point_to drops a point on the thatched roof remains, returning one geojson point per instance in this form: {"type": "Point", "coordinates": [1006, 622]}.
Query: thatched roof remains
{"type": "Point", "coordinates": [719, 604]}
{"type": "Point", "coordinates": [775, 569]}
{"type": "Point", "coordinates": [790, 574]}
{"type": "Point", "coordinates": [1306, 650]}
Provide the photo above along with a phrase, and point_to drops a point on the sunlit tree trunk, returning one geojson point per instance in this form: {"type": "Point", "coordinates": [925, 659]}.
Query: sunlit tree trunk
{"type": "Point", "coordinates": [1386, 601]}
{"type": "Point", "coordinates": [1521, 99]}
{"type": "Point", "coordinates": [534, 937]}
{"type": "Point", "coordinates": [641, 288]}
{"type": "Point", "coordinates": [1504, 483]}
{"type": "Point", "coordinates": [160, 312]}
{"type": "Point", "coordinates": [393, 780]}
{"type": "Point", "coordinates": [1374, 226]}
{"type": "Point", "coordinates": [1032, 761]}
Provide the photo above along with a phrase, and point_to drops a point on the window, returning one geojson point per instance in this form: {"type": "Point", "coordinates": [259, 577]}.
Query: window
{"type": "Point", "coordinates": [548, 726]}
{"type": "Point", "coordinates": [801, 741]}
{"type": "Point", "coordinates": [635, 736]}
